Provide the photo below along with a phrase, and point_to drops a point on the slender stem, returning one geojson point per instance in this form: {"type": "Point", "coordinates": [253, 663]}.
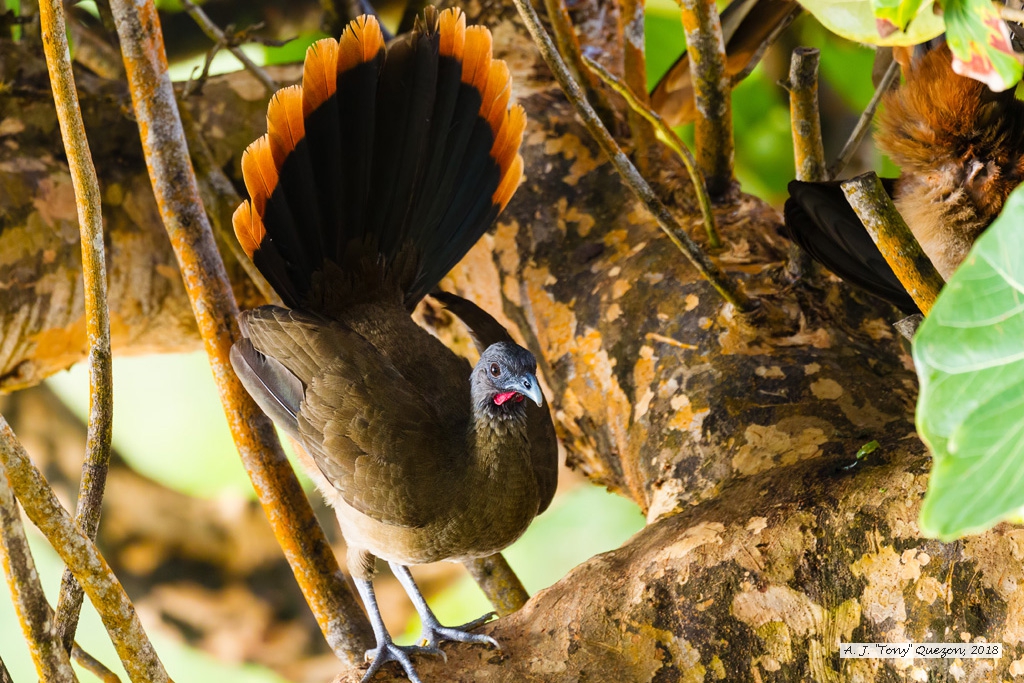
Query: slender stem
{"type": "Point", "coordinates": [808, 148]}
{"type": "Point", "coordinates": [569, 47]}
{"type": "Point", "coordinates": [34, 614]}
{"type": "Point", "coordinates": [757, 54]}
{"type": "Point", "coordinates": [669, 137]}
{"type": "Point", "coordinates": [725, 285]}
{"type": "Point", "coordinates": [214, 33]}
{"type": "Point", "coordinates": [499, 583]}
{"type": "Point", "coordinates": [174, 184]}
{"type": "Point", "coordinates": [861, 129]}
{"type": "Point", "coordinates": [17, 473]}
{"type": "Point", "coordinates": [93, 665]}
{"type": "Point", "coordinates": [712, 94]}
{"type": "Point", "coordinates": [90, 221]}
{"type": "Point", "coordinates": [894, 239]}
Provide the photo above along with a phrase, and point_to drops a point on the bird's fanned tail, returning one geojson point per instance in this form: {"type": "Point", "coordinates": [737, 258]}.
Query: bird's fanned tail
{"type": "Point", "coordinates": [384, 167]}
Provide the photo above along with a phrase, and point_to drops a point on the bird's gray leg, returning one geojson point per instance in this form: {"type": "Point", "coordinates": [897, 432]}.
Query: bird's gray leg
{"type": "Point", "coordinates": [433, 631]}
{"type": "Point", "coordinates": [386, 650]}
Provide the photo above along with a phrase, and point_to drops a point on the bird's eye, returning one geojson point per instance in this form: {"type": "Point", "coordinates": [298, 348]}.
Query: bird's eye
{"type": "Point", "coordinates": [495, 370]}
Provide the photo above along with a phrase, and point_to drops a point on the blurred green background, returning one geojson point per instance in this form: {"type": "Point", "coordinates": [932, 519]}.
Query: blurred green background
{"type": "Point", "coordinates": [169, 425]}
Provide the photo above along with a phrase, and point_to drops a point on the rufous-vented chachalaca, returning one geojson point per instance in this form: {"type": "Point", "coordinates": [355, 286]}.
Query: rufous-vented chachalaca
{"type": "Point", "coordinates": [960, 149]}
{"type": "Point", "coordinates": [376, 176]}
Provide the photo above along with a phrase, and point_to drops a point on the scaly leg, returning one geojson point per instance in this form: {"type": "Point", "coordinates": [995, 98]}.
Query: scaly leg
{"type": "Point", "coordinates": [386, 650]}
{"type": "Point", "coordinates": [433, 632]}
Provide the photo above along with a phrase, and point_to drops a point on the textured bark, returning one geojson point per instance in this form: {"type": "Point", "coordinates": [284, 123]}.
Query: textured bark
{"type": "Point", "coordinates": [736, 434]}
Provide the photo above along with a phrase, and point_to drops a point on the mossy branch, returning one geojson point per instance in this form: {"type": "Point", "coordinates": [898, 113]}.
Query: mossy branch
{"type": "Point", "coordinates": [316, 569]}
{"type": "Point", "coordinates": [97, 315]}
{"type": "Point", "coordinates": [805, 120]}
{"type": "Point", "coordinates": [81, 556]}
{"type": "Point", "coordinates": [712, 93]}
{"type": "Point", "coordinates": [894, 239]}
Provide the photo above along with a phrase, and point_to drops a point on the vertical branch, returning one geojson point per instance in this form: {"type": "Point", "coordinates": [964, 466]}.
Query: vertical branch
{"type": "Point", "coordinates": [34, 615]}
{"type": "Point", "coordinates": [634, 70]}
{"type": "Point", "coordinates": [894, 239]}
{"type": "Point", "coordinates": [90, 221]}
{"type": "Point", "coordinates": [316, 569]}
{"type": "Point", "coordinates": [711, 93]}
{"type": "Point", "coordinates": [17, 473]}
{"type": "Point", "coordinates": [498, 582]}
{"type": "Point", "coordinates": [569, 47]}
{"type": "Point", "coordinates": [808, 148]}
{"type": "Point", "coordinates": [723, 284]}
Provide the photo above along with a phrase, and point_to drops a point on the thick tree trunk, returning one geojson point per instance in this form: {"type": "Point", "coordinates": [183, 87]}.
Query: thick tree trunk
{"type": "Point", "coordinates": [737, 434]}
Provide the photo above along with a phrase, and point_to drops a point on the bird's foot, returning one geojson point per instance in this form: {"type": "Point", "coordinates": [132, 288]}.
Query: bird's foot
{"type": "Point", "coordinates": [389, 652]}
{"type": "Point", "coordinates": [433, 633]}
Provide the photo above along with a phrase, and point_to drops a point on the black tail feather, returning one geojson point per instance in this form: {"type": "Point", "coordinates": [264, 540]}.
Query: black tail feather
{"type": "Point", "coordinates": [398, 171]}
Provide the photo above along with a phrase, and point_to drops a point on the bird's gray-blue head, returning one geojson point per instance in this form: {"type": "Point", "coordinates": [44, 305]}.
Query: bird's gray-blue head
{"type": "Point", "coordinates": [505, 375]}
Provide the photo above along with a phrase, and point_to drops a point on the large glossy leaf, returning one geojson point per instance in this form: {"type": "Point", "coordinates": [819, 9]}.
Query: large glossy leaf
{"type": "Point", "coordinates": [980, 43]}
{"type": "Point", "coordinates": [855, 20]}
{"type": "Point", "coordinates": [969, 354]}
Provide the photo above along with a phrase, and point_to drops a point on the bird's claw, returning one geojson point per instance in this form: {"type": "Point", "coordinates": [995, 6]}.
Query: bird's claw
{"type": "Point", "coordinates": [433, 634]}
{"type": "Point", "coordinates": [389, 652]}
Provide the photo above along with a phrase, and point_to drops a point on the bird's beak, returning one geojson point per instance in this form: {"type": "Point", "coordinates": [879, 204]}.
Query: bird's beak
{"type": "Point", "coordinates": [530, 388]}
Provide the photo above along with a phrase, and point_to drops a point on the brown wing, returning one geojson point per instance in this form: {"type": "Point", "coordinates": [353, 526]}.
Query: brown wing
{"type": "Point", "coordinates": [374, 435]}
{"type": "Point", "coordinates": [485, 331]}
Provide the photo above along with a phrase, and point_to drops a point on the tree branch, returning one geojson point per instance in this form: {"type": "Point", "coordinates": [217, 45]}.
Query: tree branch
{"type": "Point", "coordinates": [30, 604]}
{"type": "Point", "coordinates": [894, 239]}
{"type": "Point", "coordinates": [81, 557]}
{"type": "Point", "coordinates": [316, 569]}
{"type": "Point", "coordinates": [808, 148]}
{"type": "Point", "coordinates": [97, 316]}
{"type": "Point", "coordinates": [712, 92]}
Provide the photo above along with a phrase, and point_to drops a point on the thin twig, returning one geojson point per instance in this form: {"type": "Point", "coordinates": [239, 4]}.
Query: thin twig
{"type": "Point", "coordinates": [712, 94]}
{"type": "Point", "coordinates": [295, 527]}
{"type": "Point", "coordinates": [725, 285]}
{"type": "Point", "coordinates": [97, 317]}
{"type": "Point", "coordinates": [499, 583]}
{"type": "Point", "coordinates": [669, 137]}
{"type": "Point", "coordinates": [93, 665]}
{"type": "Point", "coordinates": [864, 123]}
{"type": "Point", "coordinates": [894, 239]}
{"type": "Point", "coordinates": [805, 121]}
{"type": "Point", "coordinates": [5, 675]}
{"type": "Point", "coordinates": [34, 614]}
{"type": "Point", "coordinates": [214, 33]}
{"type": "Point", "coordinates": [758, 54]}
{"type": "Point", "coordinates": [81, 556]}
{"type": "Point", "coordinates": [569, 48]}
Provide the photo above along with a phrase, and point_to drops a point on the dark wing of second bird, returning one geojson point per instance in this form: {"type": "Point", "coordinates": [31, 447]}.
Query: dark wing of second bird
{"type": "Point", "coordinates": [820, 219]}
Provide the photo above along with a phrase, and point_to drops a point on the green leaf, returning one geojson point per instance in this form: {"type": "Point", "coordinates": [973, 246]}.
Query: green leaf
{"type": "Point", "coordinates": [894, 14]}
{"type": "Point", "coordinates": [980, 43]}
{"type": "Point", "coordinates": [969, 354]}
{"type": "Point", "coordinates": [856, 20]}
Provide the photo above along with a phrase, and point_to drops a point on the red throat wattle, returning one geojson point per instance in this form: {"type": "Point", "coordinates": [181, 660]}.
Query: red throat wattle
{"type": "Point", "coordinates": [505, 396]}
